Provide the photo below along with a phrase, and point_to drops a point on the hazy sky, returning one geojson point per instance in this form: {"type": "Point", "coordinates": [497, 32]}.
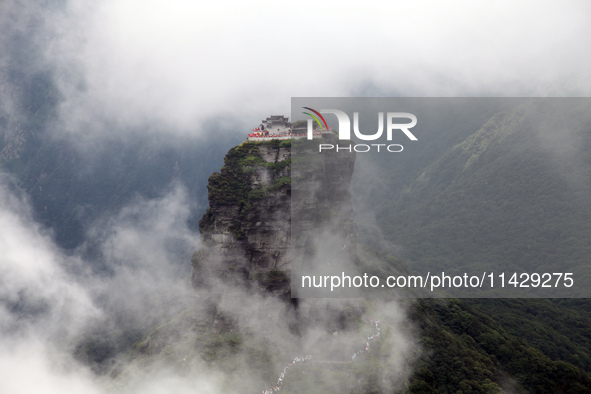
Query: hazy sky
{"type": "Point", "coordinates": [181, 62]}
{"type": "Point", "coordinates": [182, 65]}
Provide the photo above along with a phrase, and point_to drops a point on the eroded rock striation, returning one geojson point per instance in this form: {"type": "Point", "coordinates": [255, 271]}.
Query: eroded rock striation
{"type": "Point", "coordinates": [247, 231]}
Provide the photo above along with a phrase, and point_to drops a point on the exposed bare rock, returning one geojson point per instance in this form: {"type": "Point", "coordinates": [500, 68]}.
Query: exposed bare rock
{"type": "Point", "coordinates": [247, 231]}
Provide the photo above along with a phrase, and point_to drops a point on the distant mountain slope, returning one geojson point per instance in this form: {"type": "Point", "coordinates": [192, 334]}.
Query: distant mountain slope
{"type": "Point", "coordinates": [512, 191]}
{"type": "Point", "coordinates": [517, 346]}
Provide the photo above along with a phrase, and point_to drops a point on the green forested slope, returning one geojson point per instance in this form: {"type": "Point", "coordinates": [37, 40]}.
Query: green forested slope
{"type": "Point", "coordinates": [523, 346]}
{"type": "Point", "coordinates": [513, 192]}
{"type": "Point", "coordinates": [510, 195]}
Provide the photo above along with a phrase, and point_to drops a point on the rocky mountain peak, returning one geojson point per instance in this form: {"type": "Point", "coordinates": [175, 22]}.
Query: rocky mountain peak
{"type": "Point", "coordinates": [247, 231]}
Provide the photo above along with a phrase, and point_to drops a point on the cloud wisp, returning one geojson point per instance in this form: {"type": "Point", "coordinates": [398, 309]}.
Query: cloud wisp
{"type": "Point", "coordinates": [180, 63]}
{"type": "Point", "coordinates": [51, 303]}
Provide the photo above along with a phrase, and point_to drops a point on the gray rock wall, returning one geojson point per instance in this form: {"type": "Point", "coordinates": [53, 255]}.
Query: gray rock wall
{"type": "Point", "coordinates": [247, 232]}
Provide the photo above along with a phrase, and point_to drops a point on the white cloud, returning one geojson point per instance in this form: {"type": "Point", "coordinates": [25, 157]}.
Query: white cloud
{"type": "Point", "coordinates": [46, 309]}
{"type": "Point", "coordinates": [178, 64]}
{"type": "Point", "coordinates": [182, 62]}
{"type": "Point", "coordinates": [30, 368]}
{"type": "Point", "coordinates": [32, 277]}
{"type": "Point", "coordinates": [40, 305]}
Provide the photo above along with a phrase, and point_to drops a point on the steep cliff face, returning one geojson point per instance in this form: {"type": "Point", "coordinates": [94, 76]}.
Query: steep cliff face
{"type": "Point", "coordinates": [323, 230]}
{"type": "Point", "coordinates": [247, 231]}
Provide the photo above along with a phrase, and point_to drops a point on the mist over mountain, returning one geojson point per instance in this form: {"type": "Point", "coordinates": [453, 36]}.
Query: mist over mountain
{"type": "Point", "coordinates": [514, 189]}
{"type": "Point", "coordinates": [72, 179]}
{"type": "Point", "coordinates": [114, 114]}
